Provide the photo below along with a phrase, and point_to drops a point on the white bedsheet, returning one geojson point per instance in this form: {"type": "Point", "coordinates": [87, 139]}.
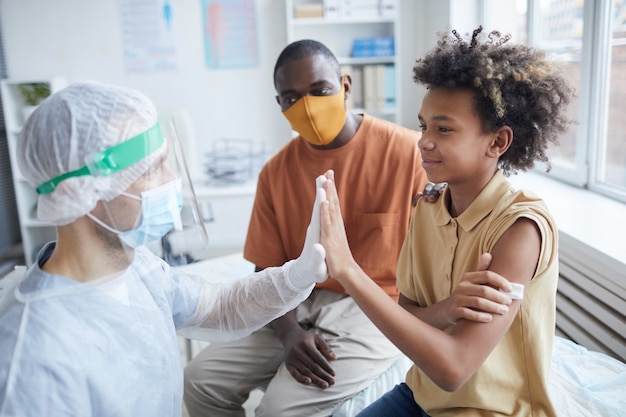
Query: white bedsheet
{"type": "Point", "coordinates": [583, 383]}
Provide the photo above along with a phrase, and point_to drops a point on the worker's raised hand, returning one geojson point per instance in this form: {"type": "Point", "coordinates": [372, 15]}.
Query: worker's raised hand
{"type": "Point", "coordinates": [310, 267]}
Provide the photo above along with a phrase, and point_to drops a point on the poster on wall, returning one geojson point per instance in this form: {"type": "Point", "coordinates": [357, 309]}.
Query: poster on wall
{"type": "Point", "coordinates": [230, 34]}
{"type": "Point", "coordinates": [148, 35]}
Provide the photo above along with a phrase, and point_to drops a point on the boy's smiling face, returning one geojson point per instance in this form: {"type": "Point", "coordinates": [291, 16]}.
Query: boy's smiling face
{"type": "Point", "coordinates": [454, 147]}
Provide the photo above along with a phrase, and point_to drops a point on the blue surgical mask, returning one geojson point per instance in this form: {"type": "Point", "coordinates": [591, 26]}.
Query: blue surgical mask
{"type": "Point", "coordinates": [160, 213]}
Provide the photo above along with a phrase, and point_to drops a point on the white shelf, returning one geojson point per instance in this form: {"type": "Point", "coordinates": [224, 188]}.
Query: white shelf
{"type": "Point", "coordinates": [35, 233]}
{"type": "Point", "coordinates": [345, 60]}
{"type": "Point", "coordinates": [17, 177]}
{"type": "Point", "coordinates": [312, 21]}
{"type": "Point", "coordinates": [389, 111]}
{"type": "Point", "coordinates": [206, 190]}
{"type": "Point", "coordinates": [226, 210]}
{"type": "Point", "coordinates": [30, 222]}
{"type": "Point", "coordinates": [339, 33]}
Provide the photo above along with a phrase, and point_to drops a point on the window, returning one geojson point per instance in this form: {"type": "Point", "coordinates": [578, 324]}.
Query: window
{"type": "Point", "coordinates": [588, 38]}
{"type": "Point", "coordinates": [611, 168]}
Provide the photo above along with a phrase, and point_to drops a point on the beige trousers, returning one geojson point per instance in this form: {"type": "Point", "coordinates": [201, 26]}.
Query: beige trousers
{"type": "Point", "coordinates": [219, 379]}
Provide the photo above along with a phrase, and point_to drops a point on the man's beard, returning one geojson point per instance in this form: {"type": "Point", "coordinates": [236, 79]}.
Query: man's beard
{"type": "Point", "coordinates": [119, 255]}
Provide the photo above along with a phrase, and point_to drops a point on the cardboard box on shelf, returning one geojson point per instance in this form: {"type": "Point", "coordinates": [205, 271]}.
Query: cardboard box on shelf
{"type": "Point", "coordinates": [308, 10]}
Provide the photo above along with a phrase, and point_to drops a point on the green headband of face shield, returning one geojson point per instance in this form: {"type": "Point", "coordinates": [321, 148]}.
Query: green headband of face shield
{"type": "Point", "coordinates": [113, 159]}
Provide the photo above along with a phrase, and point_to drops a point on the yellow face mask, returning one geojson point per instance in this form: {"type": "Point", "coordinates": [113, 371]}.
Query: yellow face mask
{"type": "Point", "coordinates": [318, 119]}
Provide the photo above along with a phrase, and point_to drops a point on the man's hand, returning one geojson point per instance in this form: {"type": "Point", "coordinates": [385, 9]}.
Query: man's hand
{"type": "Point", "coordinates": [306, 358]}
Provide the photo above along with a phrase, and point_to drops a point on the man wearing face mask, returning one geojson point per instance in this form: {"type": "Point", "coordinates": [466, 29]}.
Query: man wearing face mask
{"type": "Point", "coordinates": [326, 350]}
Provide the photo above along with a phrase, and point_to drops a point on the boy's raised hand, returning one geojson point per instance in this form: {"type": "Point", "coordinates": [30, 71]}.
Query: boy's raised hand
{"type": "Point", "coordinates": [333, 234]}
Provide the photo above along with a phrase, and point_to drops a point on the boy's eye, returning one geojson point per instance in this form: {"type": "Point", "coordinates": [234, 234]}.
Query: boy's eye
{"type": "Point", "coordinates": [440, 129]}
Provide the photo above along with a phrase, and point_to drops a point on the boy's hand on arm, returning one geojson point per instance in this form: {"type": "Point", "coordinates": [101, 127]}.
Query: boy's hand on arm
{"type": "Point", "coordinates": [476, 298]}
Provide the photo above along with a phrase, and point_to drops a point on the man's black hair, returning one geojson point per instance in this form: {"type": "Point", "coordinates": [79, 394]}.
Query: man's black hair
{"type": "Point", "coordinates": [305, 48]}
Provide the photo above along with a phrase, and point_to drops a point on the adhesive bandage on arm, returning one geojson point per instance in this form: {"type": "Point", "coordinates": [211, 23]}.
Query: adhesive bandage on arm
{"type": "Point", "coordinates": [517, 293]}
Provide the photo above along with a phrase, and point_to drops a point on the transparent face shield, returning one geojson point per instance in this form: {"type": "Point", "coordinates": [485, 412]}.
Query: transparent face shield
{"type": "Point", "coordinates": [159, 209]}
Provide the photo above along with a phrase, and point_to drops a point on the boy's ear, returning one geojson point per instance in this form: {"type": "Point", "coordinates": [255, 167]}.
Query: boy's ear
{"type": "Point", "coordinates": [501, 141]}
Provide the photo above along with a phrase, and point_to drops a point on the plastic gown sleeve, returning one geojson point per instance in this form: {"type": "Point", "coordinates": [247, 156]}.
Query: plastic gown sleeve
{"type": "Point", "coordinates": [231, 311]}
{"type": "Point", "coordinates": [228, 311]}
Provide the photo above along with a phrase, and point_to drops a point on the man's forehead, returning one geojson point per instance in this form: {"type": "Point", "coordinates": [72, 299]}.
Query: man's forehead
{"type": "Point", "coordinates": [306, 72]}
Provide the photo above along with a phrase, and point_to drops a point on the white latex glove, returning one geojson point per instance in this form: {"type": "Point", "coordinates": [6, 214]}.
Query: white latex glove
{"type": "Point", "coordinates": [310, 266]}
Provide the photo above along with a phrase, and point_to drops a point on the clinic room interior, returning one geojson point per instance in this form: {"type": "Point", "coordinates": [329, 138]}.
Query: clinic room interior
{"type": "Point", "coordinates": [208, 67]}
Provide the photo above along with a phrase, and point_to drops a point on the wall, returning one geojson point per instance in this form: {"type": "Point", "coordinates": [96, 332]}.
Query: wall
{"type": "Point", "coordinates": [82, 40]}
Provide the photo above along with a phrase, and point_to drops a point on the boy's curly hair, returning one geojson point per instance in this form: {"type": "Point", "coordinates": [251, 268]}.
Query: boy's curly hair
{"type": "Point", "coordinates": [514, 84]}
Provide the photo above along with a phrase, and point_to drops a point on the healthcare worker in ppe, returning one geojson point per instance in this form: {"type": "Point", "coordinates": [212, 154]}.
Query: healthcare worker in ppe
{"type": "Point", "coordinates": [90, 329]}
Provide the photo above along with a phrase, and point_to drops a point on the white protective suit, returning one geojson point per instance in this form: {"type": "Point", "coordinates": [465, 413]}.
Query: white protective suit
{"type": "Point", "coordinates": [109, 347]}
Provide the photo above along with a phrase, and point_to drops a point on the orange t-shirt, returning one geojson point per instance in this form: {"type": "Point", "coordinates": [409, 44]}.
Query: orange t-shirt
{"type": "Point", "coordinates": [377, 174]}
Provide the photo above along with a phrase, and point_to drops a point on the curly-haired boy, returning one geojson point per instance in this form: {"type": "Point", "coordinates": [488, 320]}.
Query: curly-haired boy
{"type": "Point", "coordinates": [491, 108]}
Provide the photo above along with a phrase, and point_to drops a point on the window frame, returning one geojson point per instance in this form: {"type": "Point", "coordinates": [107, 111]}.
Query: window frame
{"type": "Point", "coordinates": [593, 93]}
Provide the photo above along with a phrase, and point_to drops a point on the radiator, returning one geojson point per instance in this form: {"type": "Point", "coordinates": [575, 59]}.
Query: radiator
{"type": "Point", "coordinates": [591, 298]}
